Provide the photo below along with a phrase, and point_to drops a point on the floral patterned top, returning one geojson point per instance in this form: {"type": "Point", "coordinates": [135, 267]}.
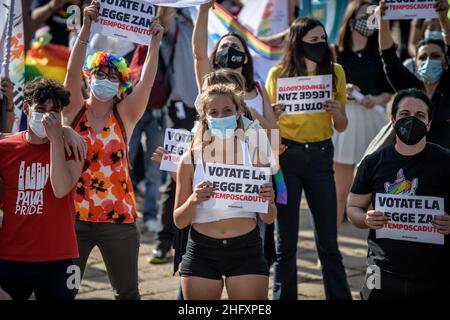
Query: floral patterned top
{"type": "Point", "coordinates": [104, 192]}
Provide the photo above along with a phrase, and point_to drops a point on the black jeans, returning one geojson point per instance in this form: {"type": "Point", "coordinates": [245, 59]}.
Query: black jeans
{"type": "Point", "coordinates": [48, 280]}
{"type": "Point", "coordinates": [309, 167]}
{"type": "Point", "coordinates": [392, 287]}
{"type": "Point", "coordinates": [166, 234]}
{"type": "Point", "coordinates": [119, 246]}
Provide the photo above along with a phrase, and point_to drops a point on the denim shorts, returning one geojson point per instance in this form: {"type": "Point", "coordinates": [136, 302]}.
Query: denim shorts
{"type": "Point", "coordinates": [213, 258]}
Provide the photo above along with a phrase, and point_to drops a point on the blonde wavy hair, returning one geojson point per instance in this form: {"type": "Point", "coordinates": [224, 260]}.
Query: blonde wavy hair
{"type": "Point", "coordinates": [203, 135]}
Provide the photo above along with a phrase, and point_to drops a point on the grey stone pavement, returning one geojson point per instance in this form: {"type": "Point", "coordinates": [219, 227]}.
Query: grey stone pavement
{"type": "Point", "coordinates": [156, 282]}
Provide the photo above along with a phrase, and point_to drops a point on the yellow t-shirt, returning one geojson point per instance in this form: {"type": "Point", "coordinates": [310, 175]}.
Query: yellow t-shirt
{"type": "Point", "coordinates": [307, 128]}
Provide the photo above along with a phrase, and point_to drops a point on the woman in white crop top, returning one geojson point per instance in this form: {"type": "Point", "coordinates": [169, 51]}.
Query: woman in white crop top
{"type": "Point", "coordinates": [222, 242]}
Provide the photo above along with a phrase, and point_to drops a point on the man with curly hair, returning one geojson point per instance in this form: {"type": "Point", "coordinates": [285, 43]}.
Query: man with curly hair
{"type": "Point", "coordinates": [37, 236]}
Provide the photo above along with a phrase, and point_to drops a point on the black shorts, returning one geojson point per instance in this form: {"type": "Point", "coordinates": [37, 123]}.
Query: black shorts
{"type": "Point", "coordinates": [212, 258]}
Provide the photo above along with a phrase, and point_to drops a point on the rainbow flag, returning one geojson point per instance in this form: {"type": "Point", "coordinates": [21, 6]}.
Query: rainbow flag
{"type": "Point", "coordinates": [233, 25]}
{"type": "Point", "coordinates": [46, 60]}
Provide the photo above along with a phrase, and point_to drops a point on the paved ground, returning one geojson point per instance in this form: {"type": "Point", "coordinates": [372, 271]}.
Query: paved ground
{"type": "Point", "coordinates": [157, 282]}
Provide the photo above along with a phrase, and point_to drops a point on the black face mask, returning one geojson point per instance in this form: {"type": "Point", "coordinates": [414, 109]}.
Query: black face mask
{"type": "Point", "coordinates": [410, 130]}
{"type": "Point", "coordinates": [315, 51]}
{"type": "Point", "coordinates": [230, 58]}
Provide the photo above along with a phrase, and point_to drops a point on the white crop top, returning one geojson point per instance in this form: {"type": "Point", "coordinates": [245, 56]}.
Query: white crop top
{"type": "Point", "coordinates": [204, 215]}
{"type": "Point", "coordinates": [257, 102]}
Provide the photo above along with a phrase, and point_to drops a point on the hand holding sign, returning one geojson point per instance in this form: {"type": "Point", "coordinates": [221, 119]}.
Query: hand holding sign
{"type": "Point", "coordinates": [266, 191]}
{"type": "Point", "coordinates": [158, 154]}
{"type": "Point", "coordinates": [442, 224]}
{"type": "Point", "coordinates": [333, 107]}
{"type": "Point", "coordinates": [157, 31]}
{"type": "Point", "coordinates": [278, 110]}
{"type": "Point", "coordinates": [375, 219]}
{"type": "Point", "coordinates": [90, 13]}
{"type": "Point", "coordinates": [207, 6]}
{"type": "Point", "coordinates": [202, 192]}
{"type": "Point", "coordinates": [442, 7]}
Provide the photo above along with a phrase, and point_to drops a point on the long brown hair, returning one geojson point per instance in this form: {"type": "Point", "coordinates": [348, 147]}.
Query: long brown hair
{"type": "Point", "coordinates": [247, 69]}
{"type": "Point", "coordinates": [345, 42]}
{"type": "Point", "coordinates": [293, 61]}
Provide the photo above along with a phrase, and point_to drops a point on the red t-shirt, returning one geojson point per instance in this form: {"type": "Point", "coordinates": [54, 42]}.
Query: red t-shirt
{"type": "Point", "coordinates": [36, 226]}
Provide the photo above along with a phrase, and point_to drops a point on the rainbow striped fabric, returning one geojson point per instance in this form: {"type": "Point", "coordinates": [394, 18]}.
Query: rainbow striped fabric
{"type": "Point", "coordinates": [233, 25]}
{"type": "Point", "coordinates": [280, 185]}
{"type": "Point", "coordinates": [47, 60]}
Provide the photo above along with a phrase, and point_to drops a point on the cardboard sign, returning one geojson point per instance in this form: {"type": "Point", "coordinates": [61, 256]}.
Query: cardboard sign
{"type": "Point", "coordinates": [237, 187]}
{"type": "Point", "coordinates": [412, 9]}
{"type": "Point", "coordinates": [125, 19]}
{"type": "Point", "coordinates": [176, 142]}
{"type": "Point", "coordinates": [303, 95]}
{"type": "Point", "coordinates": [410, 217]}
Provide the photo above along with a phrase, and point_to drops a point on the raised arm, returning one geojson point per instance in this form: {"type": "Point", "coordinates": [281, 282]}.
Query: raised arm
{"type": "Point", "coordinates": [398, 75]}
{"type": "Point", "coordinates": [384, 36]}
{"type": "Point", "coordinates": [442, 7]}
{"type": "Point", "coordinates": [133, 106]}
{"type": "Point", "coordinates": [165, 15]}
{"type": "Point", "coordinates": [414, 35]}
{"type": "Point", "coordinates": [73, 81]}
{"type": "Point", "coordinates": [200, 44]}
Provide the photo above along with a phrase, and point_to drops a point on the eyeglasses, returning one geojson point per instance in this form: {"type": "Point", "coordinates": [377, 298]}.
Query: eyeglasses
{"type": "Point", "coordinates": [100, 75]}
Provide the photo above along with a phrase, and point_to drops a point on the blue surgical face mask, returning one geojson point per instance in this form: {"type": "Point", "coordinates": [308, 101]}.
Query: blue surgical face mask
{"type": "Point", "coordinates": [433, 35]}
{"type": "Point", "coordinates": [430, 70]}
{"type": "Point", "coordinates": [104, 90]}
{"type": "Point", "coordinates": [223, 128]}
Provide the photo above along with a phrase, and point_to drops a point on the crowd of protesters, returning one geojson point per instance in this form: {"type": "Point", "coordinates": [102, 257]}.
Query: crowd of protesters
{"type": "Point", "coordinates": [79, 175]}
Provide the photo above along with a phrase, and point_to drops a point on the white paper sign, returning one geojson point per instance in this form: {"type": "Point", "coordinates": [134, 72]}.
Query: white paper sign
{"type": "Point", "coordinates": [413, 9]}
{"type": "Point", "coordinates": [176, 142]}
{"type": "Point", "coordinates": [125, 19]}
{"type": "Point", "coordinates": [410, 217]}
{"type": "Point", "coordinates": [302, 95]}
{"type": "Point", "coordinates": [237, 187]}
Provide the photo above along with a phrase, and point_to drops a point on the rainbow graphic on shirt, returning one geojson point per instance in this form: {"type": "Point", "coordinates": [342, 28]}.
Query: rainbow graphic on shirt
{"type": "Point", "coordinates": [233, 25]}
{"type": "Point", "coordinates": [401, 185]}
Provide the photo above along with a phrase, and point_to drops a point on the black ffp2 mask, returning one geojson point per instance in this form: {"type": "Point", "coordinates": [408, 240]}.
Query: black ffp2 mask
{"type": "Point", "coordinates": [230, 58]}
{"type": "Point", "coordinates": [410, 130]}
{"type": "Point", "coordinates": [315, 51]}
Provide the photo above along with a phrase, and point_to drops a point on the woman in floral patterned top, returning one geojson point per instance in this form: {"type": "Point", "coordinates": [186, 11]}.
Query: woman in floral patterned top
{"type": "Point", "coordinates": [104, 198]}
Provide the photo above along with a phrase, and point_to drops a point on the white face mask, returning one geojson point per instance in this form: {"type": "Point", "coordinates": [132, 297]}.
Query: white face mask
{"type": "Point", "coordinates": [36, 124]}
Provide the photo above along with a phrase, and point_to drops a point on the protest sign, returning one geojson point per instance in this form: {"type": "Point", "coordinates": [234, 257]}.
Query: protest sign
{"type": "Point", "coordinates": [237, 187]}
{"type": "Point", "coordinates": [412, 9]}
{"type": "Point", "coordinates": [176, 142]}
{"type": "Point", "coordinates": [125, 19]}
{"type": "Point", "coordinates": [410, 217]}
{"type": "Point", "coordinates": [302, 95]}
